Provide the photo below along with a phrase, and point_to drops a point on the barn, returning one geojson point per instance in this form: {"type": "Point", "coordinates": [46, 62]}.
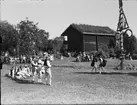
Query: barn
{"type": "Point", "coordinates": [85, 38]}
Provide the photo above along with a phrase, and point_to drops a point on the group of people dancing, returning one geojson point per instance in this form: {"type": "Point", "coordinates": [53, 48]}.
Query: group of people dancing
{"type": "Point", "coordinates": [40, 66]}
{"type": "Point", "coordinates": [98, 63]}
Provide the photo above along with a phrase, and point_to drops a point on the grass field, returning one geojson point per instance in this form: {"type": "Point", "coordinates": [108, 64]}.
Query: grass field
{"type": "Point", "coordinates": [73, 83]}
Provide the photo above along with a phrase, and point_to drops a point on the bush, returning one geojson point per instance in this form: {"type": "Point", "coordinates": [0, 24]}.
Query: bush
{"type": "Point", "coordinates": [118, 53]}
{"type": "Point", "coordinates": [134, 56]}
{"type": "Point", "coordinates": [135, 52]}
{"type": "Point", "coordinates": [112, 52]}
{"type": "Point", "coordinates": [103, 50]}
{"type": "Point", "coordinates": [103, 53]}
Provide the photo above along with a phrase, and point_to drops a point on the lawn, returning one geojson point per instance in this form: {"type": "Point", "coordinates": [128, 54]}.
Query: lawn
{"type": "Point", "coordinates": [73, 83]}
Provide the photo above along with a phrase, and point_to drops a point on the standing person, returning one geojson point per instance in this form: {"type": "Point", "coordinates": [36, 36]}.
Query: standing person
{"type": "Point", "coordinates": [48, 74]}
{"type": "Point", "coordinates": [93, 64]}
{"type": "Point", "coordinates": [1, 61]}
{"type": "Point", "coordinates": [102, 64]}
{"type": "Point", "coordinates": [40, 69]}
{"type": "Point", "coordinates": [34, 64]}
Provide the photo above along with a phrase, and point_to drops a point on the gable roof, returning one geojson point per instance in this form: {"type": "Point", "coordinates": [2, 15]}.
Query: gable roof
{"type": "Point", "coordinates": [91, 29]}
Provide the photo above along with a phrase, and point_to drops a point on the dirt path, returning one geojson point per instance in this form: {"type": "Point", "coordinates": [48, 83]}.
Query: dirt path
{"type": "Point", "coordinates": [72, 84]}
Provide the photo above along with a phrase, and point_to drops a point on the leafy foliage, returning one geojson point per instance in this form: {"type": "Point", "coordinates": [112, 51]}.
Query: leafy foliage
{"type": "Point", "coordinates": [134, 56]}
{"type": "Point", "coordinates": [9, 36]}
{"type": "Point", "coordinates": [130, 44]}
{"type": "Point", "coordinates": [111, 43]}
{"type": "Point", "coordinates": [103, 50]}
{"type": "Point", "coordinates": [31, 38]}
{"type": "Point", "coordinates": [55, 44]}
{"type": "Point", "coordinates": [133, 44]}
{"type": "Point", "coordinates": [25, 38]}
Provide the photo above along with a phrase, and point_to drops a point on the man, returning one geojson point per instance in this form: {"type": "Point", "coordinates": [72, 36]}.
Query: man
{"type": "Point", "coordinates": [48, 74]}
{"type": "Point", "coordinates": [34, 64]}
{"type": "Point", "coordinates": [40, 69]}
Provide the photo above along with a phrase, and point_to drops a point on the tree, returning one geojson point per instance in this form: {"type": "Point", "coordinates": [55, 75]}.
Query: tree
{"type": "Point", "coordinates": [129, 44]}
{"type": "Point", "coordinates": [133, 44]}
{"type": "Point", "coordinates": [58, 43]}
{"type": "Point", "coordinates": [55, 44]}
{"type": "Point", "coordinates": [31, 38]}
{"type": "Point", "coordinates": [50, 45]}
{"type": "Point", "coordinates": [111, 43]}
{"type": "Point", "coordinates": [126, 43]}
{"type": "Point", "coordinates": [9, 37]}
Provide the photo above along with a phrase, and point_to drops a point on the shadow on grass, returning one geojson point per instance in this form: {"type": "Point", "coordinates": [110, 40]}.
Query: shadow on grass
{"type": "Point", "coordinates": [120, 73]}
{"type": "Point", "coordinates": [74, 61]}
{"type": "Point", "coordinates": [86, 72]}
{"type": "Point", "coordinates": [109, 73]}
{"type": "Point", "coordinates": [23, 81]}
{"type": "Point", "coordinates": [63, 66]}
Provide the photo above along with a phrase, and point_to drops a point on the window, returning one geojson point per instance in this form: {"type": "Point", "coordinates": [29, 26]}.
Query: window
{"type": "Point", "coordinates": [66, 38]}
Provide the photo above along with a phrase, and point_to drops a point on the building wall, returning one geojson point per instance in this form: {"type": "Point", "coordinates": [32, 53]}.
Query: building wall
{"type": "Point", "coordinates": [104, 40]}
{"type": "Point", "coordinates": [74, 39]}
{"type": "Point", "coordinates": [90, 41]}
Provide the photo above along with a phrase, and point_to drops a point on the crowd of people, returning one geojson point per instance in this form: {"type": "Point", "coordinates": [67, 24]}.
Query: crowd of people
{"type": "Point", "coordinates": [83, 57]}
{"type": "Point", "coordinates": [40, 66]}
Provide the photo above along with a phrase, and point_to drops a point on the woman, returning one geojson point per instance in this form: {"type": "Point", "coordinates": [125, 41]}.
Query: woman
{"type": "Point", "coordinates": [102, 64]}
{"type": "Point", "coordinates": [94, 64]}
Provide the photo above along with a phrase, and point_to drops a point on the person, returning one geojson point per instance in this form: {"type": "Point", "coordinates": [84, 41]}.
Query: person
{"type": "Point", "coordinates": [12, 72]}
{"type": "Point", "coordinates": [102, 64]}
{"type": "Point", "coordinates": [23, 73]}
{"type": "Point", "coordinates": [34, 64]}
{"type": "Point", "coordinates": [93, 64]}
{"type": "Point", "coordinates": [1, 61]}
{"type": "Point", "coordinates": [40, 69]}
{"type": "Point", "coordinates": [48, 74]}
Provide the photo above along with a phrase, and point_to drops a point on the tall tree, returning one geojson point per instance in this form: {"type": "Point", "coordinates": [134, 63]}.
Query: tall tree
{"type": "Point", "coordinates": [133, 44]}
{"type": "Point", "coordinates": [31, 38]}
{"type": "Point", "coordinates": [58, 43]}
{"type": "Point", "coordinates": [9, 37]}
{"type": "Point", "coordinates": [55, 44]}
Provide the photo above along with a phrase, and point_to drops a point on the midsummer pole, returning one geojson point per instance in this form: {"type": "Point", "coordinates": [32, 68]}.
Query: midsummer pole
{"type": "Point", "coordinates": [122, 29]}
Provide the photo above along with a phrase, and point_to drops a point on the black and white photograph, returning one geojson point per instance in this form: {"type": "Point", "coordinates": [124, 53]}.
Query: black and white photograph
{"type": "Point", "coordinates": [68, 51]}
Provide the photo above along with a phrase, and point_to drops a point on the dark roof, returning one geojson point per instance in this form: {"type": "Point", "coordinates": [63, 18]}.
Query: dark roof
{"type": "Point", "coordinates": [91, 29]}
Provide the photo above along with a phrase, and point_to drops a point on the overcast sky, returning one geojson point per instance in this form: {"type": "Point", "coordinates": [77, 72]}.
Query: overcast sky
{"type": "Point", "coordinates": [54, 16]}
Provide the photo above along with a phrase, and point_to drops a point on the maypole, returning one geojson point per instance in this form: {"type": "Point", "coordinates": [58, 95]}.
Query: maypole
{"type": "Point", "coordinates": [122, 28]}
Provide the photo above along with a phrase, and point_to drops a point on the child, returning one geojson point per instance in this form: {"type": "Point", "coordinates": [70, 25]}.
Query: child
{"type": "Point", "coordinates": [102, 63]}
{"type": "Point", "coordinates": [93, 64]}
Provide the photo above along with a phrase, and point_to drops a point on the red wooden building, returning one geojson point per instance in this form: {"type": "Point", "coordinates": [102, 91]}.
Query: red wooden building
{"type": "Point", "coordinates": [81, 37]}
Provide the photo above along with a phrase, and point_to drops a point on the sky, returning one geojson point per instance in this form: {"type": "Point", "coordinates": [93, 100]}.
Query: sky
{"type": "Point", "coordinates": [54, 16]}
